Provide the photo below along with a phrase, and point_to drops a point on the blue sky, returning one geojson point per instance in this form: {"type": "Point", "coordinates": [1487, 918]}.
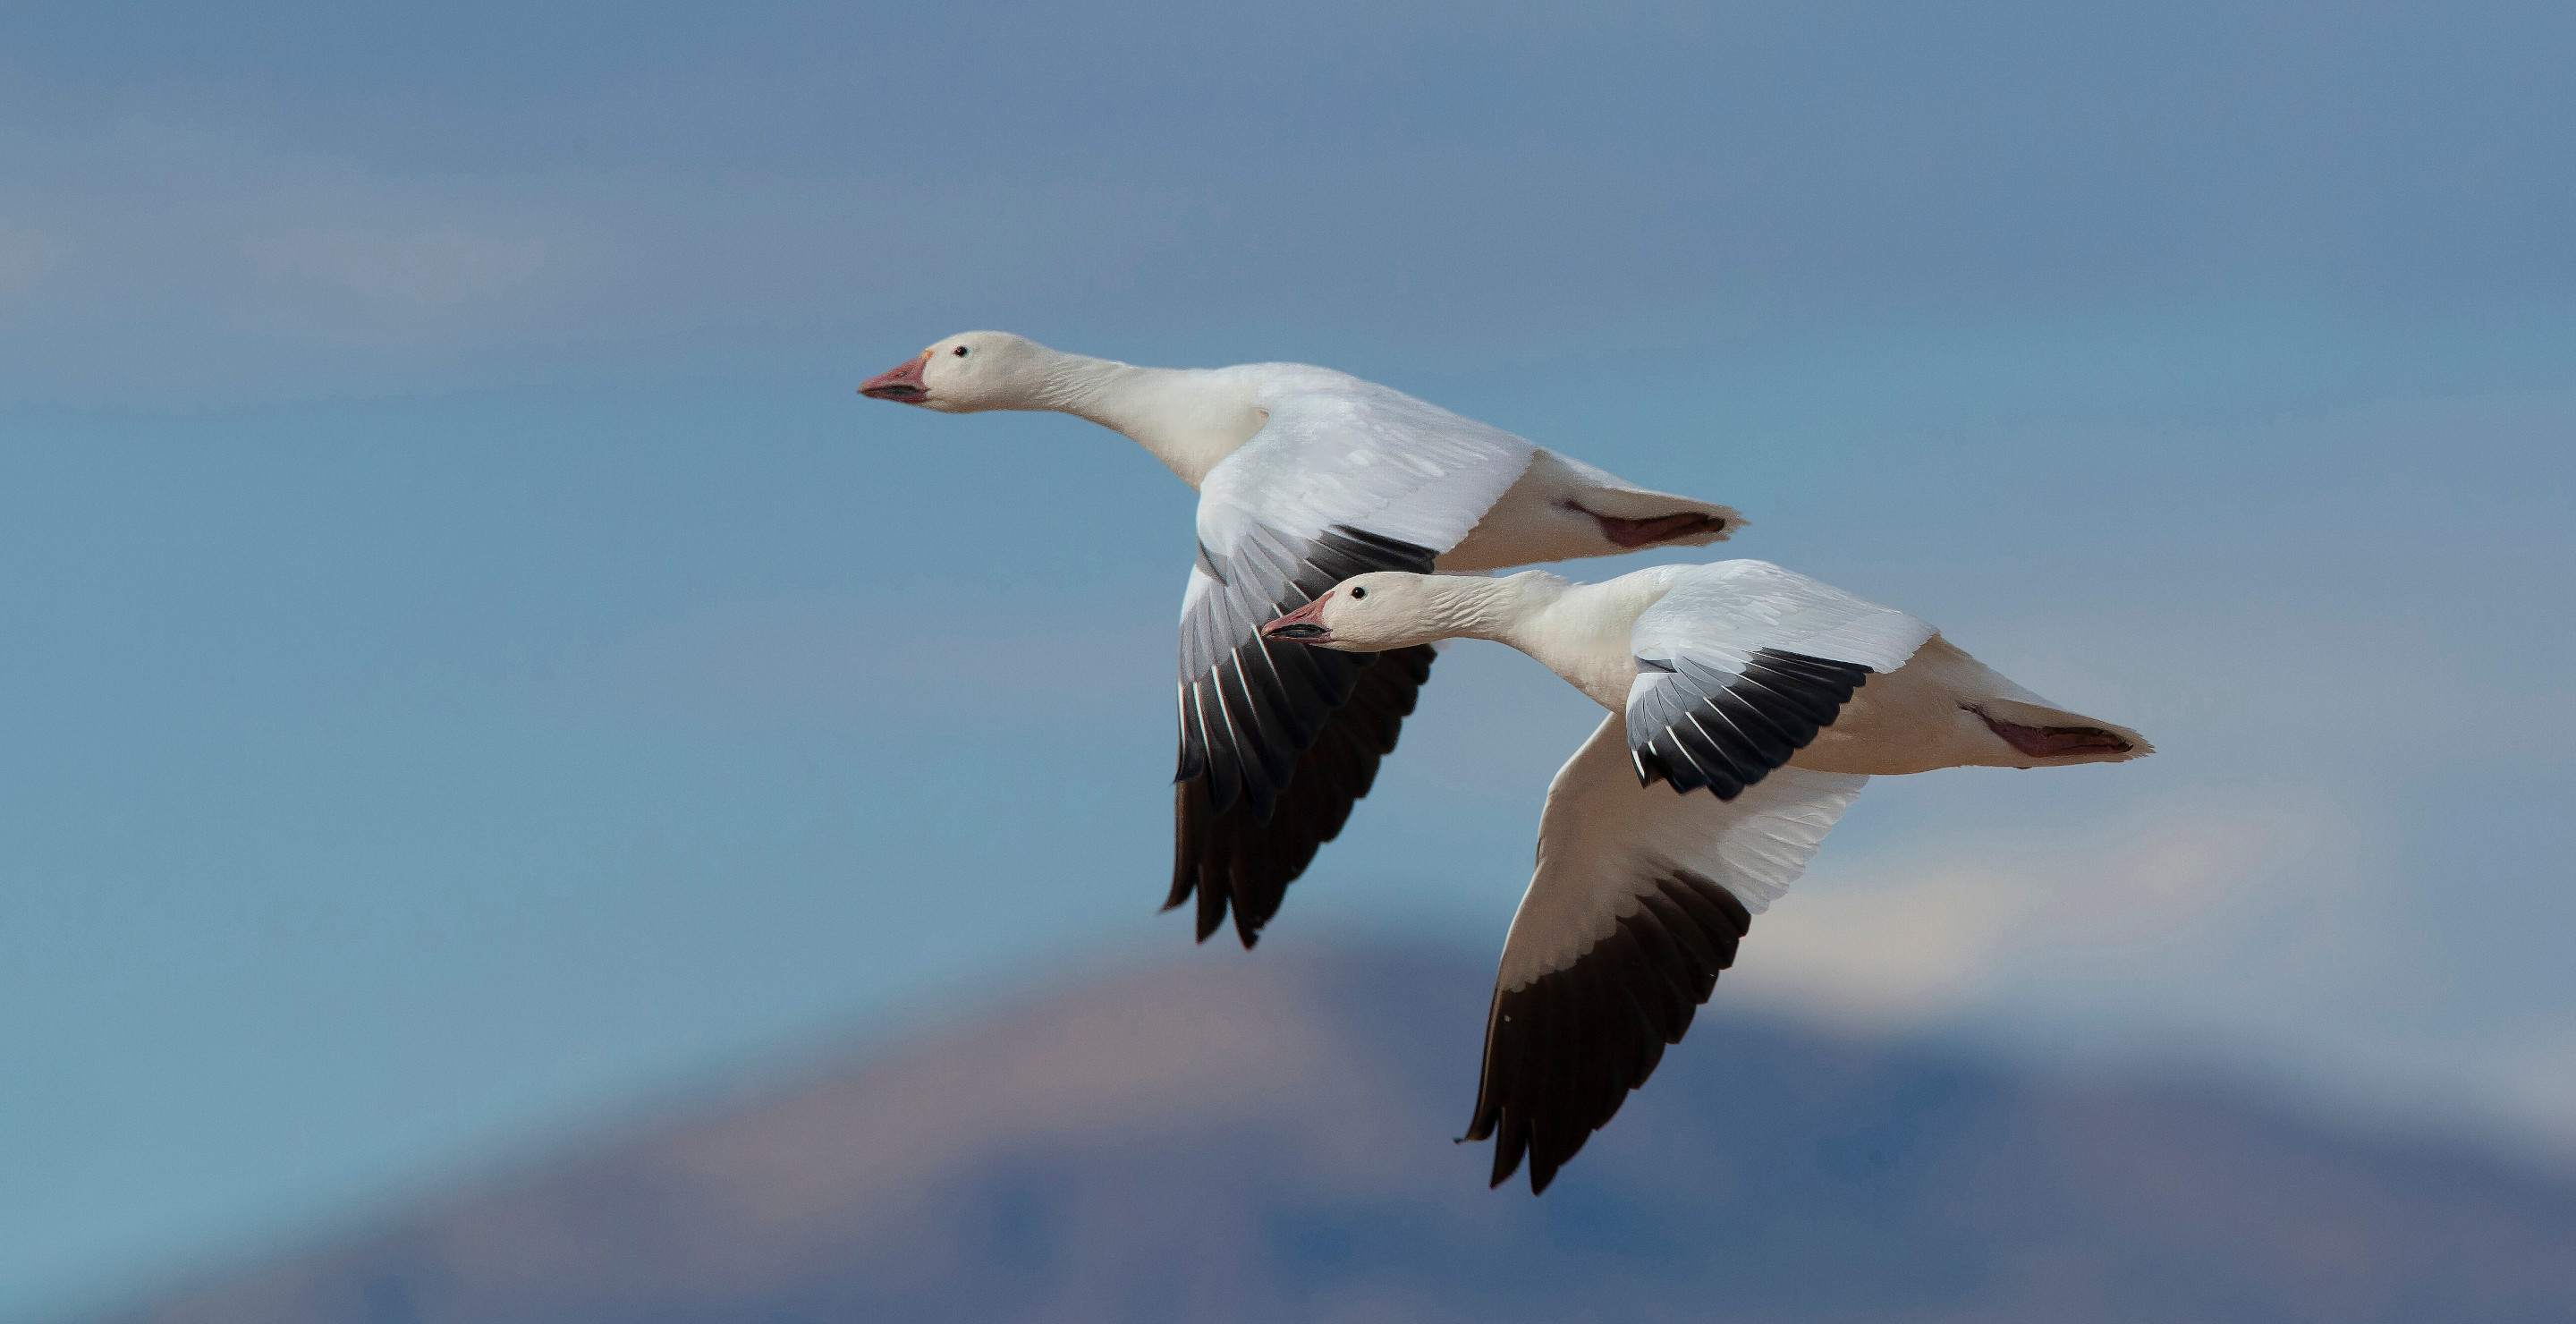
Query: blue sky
{"type": "Point", "coordinates": [477, 666]}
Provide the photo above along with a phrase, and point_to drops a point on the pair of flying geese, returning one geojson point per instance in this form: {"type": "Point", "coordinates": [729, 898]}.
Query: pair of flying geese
{"type": "Point", "coordinates": [1335, 520]}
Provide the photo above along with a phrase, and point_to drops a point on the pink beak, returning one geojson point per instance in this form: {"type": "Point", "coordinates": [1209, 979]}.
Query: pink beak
{"type": "Point", "coordinates": [899, 384]}
{"type": "Point", "coordinates": [1303, 625]}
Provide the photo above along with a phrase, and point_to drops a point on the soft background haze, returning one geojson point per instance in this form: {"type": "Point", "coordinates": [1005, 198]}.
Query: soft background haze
{"type": "Point", "coordinates": [474, 665]}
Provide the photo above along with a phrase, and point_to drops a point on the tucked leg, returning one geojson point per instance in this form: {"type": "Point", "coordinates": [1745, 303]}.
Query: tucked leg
{"type": "Point", "coordinates": [2048, 742]}
{"type": "Point", "coordinates": [1641, 532]}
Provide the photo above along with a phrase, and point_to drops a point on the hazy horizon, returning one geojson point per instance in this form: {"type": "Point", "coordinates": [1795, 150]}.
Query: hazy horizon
{"type": "Point", "coordinates": [1270, 1139]}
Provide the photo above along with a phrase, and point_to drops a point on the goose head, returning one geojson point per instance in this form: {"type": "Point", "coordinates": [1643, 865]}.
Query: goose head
{"type": "Point", "coordinates": [969, 373]}
{"type": "Point", "coordinates": [1375, 612]}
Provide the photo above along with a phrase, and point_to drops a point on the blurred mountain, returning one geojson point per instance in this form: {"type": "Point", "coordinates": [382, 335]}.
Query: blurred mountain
{"type": "Point", "coordinates": [1267, 1138]}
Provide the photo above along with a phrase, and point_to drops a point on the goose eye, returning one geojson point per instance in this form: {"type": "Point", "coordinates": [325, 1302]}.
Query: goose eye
{"type": "Point", "coordinates": [960, 351]}
{"type": "Point", "coordinates": [1358, 593]}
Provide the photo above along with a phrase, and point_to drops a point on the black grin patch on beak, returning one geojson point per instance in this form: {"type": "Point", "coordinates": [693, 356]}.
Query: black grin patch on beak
{"type": "Point", "coordinates": [1300, 631]}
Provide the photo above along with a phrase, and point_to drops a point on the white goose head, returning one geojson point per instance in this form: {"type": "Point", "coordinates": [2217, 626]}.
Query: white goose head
{"type": "Point", "coordinates": [1387, 609]}
{"type": "Point", "coordinates": [972, 372]}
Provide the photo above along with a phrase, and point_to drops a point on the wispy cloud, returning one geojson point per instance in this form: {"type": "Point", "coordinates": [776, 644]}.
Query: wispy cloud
{"type": "Point", "coordinates": [25, 257]}
{"type": "Point", "coordinates": [213, 269]}
{"type": "Point", "coordinates": [443, 266]}
{"type": "Point", "coordinates": [2539, 1080]}
{"type": "Point", "coordinates": [1929, 931]}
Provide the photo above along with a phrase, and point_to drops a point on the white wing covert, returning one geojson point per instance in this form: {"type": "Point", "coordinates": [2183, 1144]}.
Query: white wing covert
{"type": "Point", "coordinates": [1276, 739]}
{"type": "Point", "coordinates": [1741, 663]}
{"type": "Point", "coordinates": [1637, 903]}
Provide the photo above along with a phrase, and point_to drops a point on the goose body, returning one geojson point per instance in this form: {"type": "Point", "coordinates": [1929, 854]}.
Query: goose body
{"type": "Point", "coordinates": [1306, 477]}
{"type": "Point", "coordinates": [1780, 697]}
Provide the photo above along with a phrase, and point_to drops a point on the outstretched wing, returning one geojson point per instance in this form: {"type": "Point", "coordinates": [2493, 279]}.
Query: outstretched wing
{"type": "Point", "coordinates": [1740, 663]}
{"type": "Point", "coordinates": [1637, 904]}
{"type": "Point", "coordinates": [1277, 740]}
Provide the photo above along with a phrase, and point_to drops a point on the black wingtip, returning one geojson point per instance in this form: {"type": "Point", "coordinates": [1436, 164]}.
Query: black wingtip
{"type": "Point", "coordinates": [1722, 792]}
{"type": "Point", "coordinates": [1212, 907]}
{"type": "Point", "coordinates": [1247, 925]}
{"type": "Point", "coordinates": [1238, 862]}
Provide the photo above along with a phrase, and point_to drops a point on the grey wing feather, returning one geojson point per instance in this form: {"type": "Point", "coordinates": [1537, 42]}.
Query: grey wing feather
{"type": "Point", "coordinates": [1741, 663]}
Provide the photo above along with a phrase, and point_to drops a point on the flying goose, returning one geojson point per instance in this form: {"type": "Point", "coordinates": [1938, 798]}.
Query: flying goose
{"type": "Point", "coordinates": [1305, 477]}
{"type": "Point", "coordinates": [1779, 696]}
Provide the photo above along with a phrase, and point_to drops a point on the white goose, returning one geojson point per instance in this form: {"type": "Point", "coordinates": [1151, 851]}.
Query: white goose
{"type": "Point", "coordinates": [1305, 477]}
{"type": "Point", "coordinates": [1779, 695]}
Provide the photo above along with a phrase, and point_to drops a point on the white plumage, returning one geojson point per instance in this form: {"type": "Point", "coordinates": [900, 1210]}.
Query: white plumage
{"type": "Point", "coordinates": [1766, 700]}
{"type": "Point", "coordinates": [1305, 477]}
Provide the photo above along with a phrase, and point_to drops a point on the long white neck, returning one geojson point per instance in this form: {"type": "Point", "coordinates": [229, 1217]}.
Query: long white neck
{"type": "Point", "coordinates": [1578, 631]}
{"type": "Point", "coordinates": [1189, 418]}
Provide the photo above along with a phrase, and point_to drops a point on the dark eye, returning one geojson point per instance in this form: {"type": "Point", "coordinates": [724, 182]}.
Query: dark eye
{"type": "Point", "coordinates": [960, 351]}
{"type": "Point", "coordinates": [1358, 593]}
